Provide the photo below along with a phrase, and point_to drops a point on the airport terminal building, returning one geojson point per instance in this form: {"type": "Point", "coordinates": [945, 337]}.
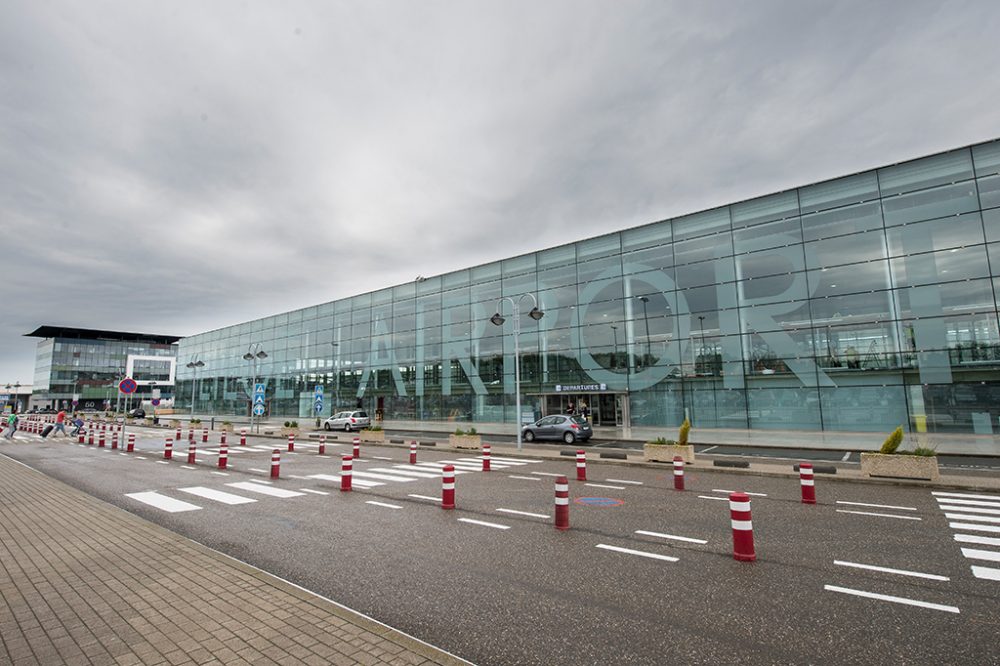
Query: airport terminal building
{"type": "Point", "coordinates": [854, 304]}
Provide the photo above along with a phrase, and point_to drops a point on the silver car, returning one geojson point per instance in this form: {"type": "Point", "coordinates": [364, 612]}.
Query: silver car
{"type": "Point", "coordinates": [348, 421]}
{"type": "Point", "coordinates": [564, 427]}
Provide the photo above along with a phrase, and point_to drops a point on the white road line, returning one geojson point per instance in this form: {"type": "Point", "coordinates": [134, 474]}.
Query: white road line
{"type": "Point", "coordinates": [265, 490]}
{"type": "Point", "coordinates": [299, 477]}
{"type": "Point", "coordinates": [986, 573]}
{"type": "Point", "coordinates": [847, 456]}
{"type": "Point", "coordinates": [425, 497]}
{"type": "Point", "coordinates": [901, 572]}
{"type": "Point", "coordinates": [995, 498]}
{"type": "Point", "coordinates": [721, 499]}
{"type": "Point", "coordinates": [881, 515]}
{"type": "Point", "coordinates": [879, 506]}
{"type": "Point", "coordinates": [460, 465]}
{"type": "Point", "coordinates": [379, 458]}
{"type": "Point", "coordinates": [217, 495]}
{"type": "Point", "coordinates": [965, 502]}
{"type": "Point", "coordinates": [500, 461]}
{"type": "Point", "coordinates": [261, 481]}
{"type": "Point", "coordinates": [388, 506]}
{"type": "Point", "coordinates": [360, 483]}
{"type": "Point", "coordinates": [523, 478]}
{"type": "Point", "coordinates": [670, 536]}
{"type": "Point", "coordinates": [438, 467]}
{"type": "Point", "coordinates": [972, 516]}
{"type": "Point", "coordinates": [259, 471]}
{"type": "Point", "coordinates": [720, 490]}
{"type": "Point", "coordinates": [974, 554]}
{"type": "Point", "coordinates": [969, 509]}
{"type": "Point", "coordinates": [496, 526]}
{"type": "Point", "coordinates": [418, 474]}
{"type": "Point", "coordinates": [220, 473]}
{"type": "Point", "coordinates": [547, 474]}
{"type": "Point", "coordinates": [525, 513]}
{"type": "Point", "coordinates": [122, 454]}
{"type": "Point", "coordinates": [974, 528]}
{"type": "Point", "coordinates": [188, 467]}
{"type": "Point", "coordinates": [382, 477]}
{"type": "Point", "coordinates": [886, 597]}
{"type": "Point", "coordinates": [979, 540]}
{"type": "Point", "coordinates": [640, 553]}
{"type": "Point", "coordinates": [517, 460]}
{"type": "Point", "coordinates": [314, 492]}
{"type": "Point", "coordinates": [630, 483]}
{"type": "Point", "coordinates": [168, 504]}
{"type": "Point", "coordinates": [598, 485]}
{"type": "Point", "coordinates": [163, 462]}
{"type": "Point", "coordinates": [711, 448]}
{"type": "Point", "coordinates": [140, 457]}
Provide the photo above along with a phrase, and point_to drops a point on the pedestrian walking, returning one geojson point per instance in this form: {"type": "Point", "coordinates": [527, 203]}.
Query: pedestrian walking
{"type": "Point", "coordinates": [11, 426]}
{"type": "Point", "coordinates": [60, 423]}
{"type": "Point", "coordinates": [77, 425]}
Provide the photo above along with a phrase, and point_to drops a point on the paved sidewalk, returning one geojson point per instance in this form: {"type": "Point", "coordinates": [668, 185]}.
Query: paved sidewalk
{"type": "Point", "coordinates": [82, 582]}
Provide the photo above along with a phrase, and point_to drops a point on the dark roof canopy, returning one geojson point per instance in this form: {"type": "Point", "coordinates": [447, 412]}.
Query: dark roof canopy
{"type": "Point", "coordinates": [92, 334]}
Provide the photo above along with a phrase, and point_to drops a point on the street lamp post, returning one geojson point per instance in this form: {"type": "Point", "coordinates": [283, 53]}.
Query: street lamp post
{"type": "Point", "coordinates": [336, 378]}
{"type": "Point", "coordinates": [498, 320]}
{"type": "Point", "coordinates": [194, 364]}
{"type": "Point", "coordinates": [645, 318]}
{"type": "Point", "coordinates": [701, 327]}
{"type": "Point", "coordinates": [254, 351]}
{"type": "Point", "coordinates": [614, 361]}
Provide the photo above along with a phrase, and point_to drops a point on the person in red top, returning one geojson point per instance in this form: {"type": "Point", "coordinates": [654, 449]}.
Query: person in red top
{"type": "Point", "coordinates": [60, 423]}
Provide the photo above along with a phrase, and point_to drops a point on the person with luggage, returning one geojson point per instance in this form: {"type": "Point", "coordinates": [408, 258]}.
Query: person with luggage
{"type": "Point", "coordinates": [77, 425]}
{"type": "Point", "coordinates": [11, 426]}
{"type": "Point", "coordinates": [60, 423]}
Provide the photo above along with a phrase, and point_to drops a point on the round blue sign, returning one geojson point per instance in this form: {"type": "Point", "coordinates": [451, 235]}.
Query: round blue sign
{"type": "Point", "coordinates": [127, 385]}
{"type": "Point", "coordinates": [598, 501]}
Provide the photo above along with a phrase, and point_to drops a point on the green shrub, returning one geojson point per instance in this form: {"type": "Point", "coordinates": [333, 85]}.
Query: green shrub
{"type": "Point", "coordinates": [459, 432]}
{"type": "Point", "coordinates": [893, 441]}
{"type": "Point", "coordinates": [227, 423]}
{"type": "Point", "coordinates": [923, 451]}
{"type": "Point", "coordinates": [472, 431]}
{"type": "Point", "coordinates": [295, 424]}
{"type": "Point", "coordinates": [682, 435]}
{"type": "Point", "coordinates": [374, 428]}
{"type": "Point", "coordinates": [288, 424]}
{"type": "Point", "coordinates": [195, 421]}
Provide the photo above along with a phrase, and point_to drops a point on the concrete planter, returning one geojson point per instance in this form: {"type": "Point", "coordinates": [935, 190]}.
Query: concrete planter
{"type": "Point", "coordinates": [226, 427]}
{"type": "Point", "coordinates": [666, 452]}
{"type": "Point", "coordinates": [465, 441]}
{"type": "Point", "coordinates": [174, 423]}
{"type": "Point", "coordinates": [896, 466]}
{"type": "Point", "coordinates": [285, 432]}
{"type": "Point", "coordinates": [372, 435]}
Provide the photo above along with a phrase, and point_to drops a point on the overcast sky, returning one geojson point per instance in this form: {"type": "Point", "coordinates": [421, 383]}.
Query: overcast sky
{"type": "Point", "coordinates": [174, 167]}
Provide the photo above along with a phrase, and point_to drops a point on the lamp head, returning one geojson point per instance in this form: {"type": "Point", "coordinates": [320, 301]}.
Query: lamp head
{"type": "Point", "coordinates": [248, 356]}
{"type": "Point", "coordinates": [644, 299]}
{"type": "Point", "coordinates": [497, 319]}
{"type": "Point", "coordinates": [536, 314]}
{"type": "Point", "coordinates": [261, 354]}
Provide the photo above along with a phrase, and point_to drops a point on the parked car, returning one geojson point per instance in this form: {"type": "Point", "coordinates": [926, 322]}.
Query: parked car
{"type": "Point", "coordinates": [348, 421]}
{"type": "Point", "coordinates": [138, 413]}
{"type": "Point", "coordinates": [565, 427]}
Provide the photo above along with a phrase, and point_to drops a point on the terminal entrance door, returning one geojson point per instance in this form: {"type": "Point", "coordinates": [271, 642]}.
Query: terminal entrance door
{"type": "Point", "coordinates": [606, 409]}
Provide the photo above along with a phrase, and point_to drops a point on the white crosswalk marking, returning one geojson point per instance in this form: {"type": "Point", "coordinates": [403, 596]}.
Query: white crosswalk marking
{"type": "Point", "coordinates": [981, 513]}
{"type": "Point", "coordinates": [265, 490]}
{"type": "Point", "coordinates": [168, 504]}
{"type": "Point", "coordinates": [406, 471]}
{"type": "Point", "coordinates": [217, 495]}
{"type": "Point", "coordinates": [381, 477]}
{"type": "Point", "coordinates": [336, 479]}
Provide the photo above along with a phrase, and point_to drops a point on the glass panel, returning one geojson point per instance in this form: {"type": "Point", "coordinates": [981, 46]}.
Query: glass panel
{"type": "Point", "coordinates": [598, 247]}
{"type": "Point", "coordinates": [783, 408]}
{"type": "Point", "coordinates": [429, 285]}
{"type": "Point", "coordinates": [931, 267]}
{"type": "Point", "coordinates": [486, 272]}
{"type": "Point", "coordinates": [559, 256]}
{"type": "Point", "coordinates": [701, 224]}
{"type": "Point", "coordinates": [848, 279]}
{"type": "Point", "coordinates": [841, 221]}
{"type": "Point", "coordinates": [456, 279]}
{"type": "Point", "coordinates": [840, 192]}
{"type": "Point", "coordinates": [659, 257]}
{"type": "Point", "coordinates": [703, 248]}
{"type": "Point", "coordinates": [991, 222]}
{"type": "Point", "coordinates": [863, 408]}
{"type": "Point", "coordinates": [942, 234]}
{"type": "Point", "coordinates": [989, 191]}
{"type": "Point", "coordinates": [843, 249]}
{"type": "Point", "coordinates": [765, 209]}
{"type": "Point", "coordinates": [519, 265]}
{"type": "Point", "coordinates": [926, 172]}
{"type": "Point", "coordinates": [987, 158]}
{"type": "Point", "coordinates": [928, 204]}
{"type": "Point", "coordinates": [646, 236]}
{"type": "Point", "coordinates": [772, 234]}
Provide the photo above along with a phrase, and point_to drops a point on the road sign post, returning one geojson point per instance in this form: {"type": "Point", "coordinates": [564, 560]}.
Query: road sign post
{"type": "Point", "coordinates": [318, 400]}
{"type": "Point", "coordinates": [258, 404]}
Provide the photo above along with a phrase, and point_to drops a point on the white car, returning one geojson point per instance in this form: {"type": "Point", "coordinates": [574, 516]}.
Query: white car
{"type": "Point", "coordinates": [348, 421]}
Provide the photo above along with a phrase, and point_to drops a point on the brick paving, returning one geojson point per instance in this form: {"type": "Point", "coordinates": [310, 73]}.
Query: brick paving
{"type": "Point", "coordinates": [82, 582]}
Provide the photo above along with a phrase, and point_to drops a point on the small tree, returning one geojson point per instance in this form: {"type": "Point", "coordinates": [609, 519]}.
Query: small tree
{"type": "Point", "coordinates": [682, 435]}
{"type": "Point", "coordinates": [893, 441]}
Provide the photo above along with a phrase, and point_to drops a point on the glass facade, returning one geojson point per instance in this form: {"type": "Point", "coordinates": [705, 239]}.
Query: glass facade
{"type": "Point", "coordinates": [859, 304]}
{"type": "Point", "coordinates": [92, 368]}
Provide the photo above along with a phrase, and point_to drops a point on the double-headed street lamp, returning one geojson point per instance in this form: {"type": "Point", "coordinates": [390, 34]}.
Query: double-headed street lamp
{"type": "Point", "coordinates": [498, 320]}
{"type": "Point", "coordinates": [645, 316]}
{"type": "Point", "coordinates": [254, 351]}
{"type": "Point", "coordinates": [194, 364]}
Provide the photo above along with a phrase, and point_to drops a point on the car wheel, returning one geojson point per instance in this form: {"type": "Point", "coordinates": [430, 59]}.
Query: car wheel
{"type": "Point", "coordinates": [326, 426]}
{"type": "Point", "coordinates": [569, 438]}
{"type": "Point", "coordinates": [347, 427]}
{"type": "Point", "coordinates": [529, 436]}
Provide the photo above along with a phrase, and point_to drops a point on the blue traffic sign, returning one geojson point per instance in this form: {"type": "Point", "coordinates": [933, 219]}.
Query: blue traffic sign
{"type": "Point", "coordinates": [127, 385]}
{"type": "Point", "coordinates": [258, 410]}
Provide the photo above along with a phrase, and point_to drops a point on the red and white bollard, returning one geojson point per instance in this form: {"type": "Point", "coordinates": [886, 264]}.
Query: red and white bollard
{"type": "Point", "coordinates": [562, 503]}
{"type": "Point", "coordinates": [275, 463]}
{"type": "Point", "coordinates": [808, 483]}
{"type": "Point", "coordinates": [178, 434]}
{"type": "Point", "coordinates": [204, 435]}
{"type": "Point", "coordinates": [345, 473]}
{"type": "Point", "coordinates": [413, 453]}
{"type": "Point", "coordinates": [100, 440]}
{"type": "Point", "coordinates": [90, 438]}
{"type": "Point", "coordinates": [190, 434]}
{"type": "Point", "coordinates": [581, 465]}
{"type": "Point", "coordinates": [739, 511]}
{"type": "Point", "coordinates": [222, 437]}
{"type": "Point", "coordinates": [168, 449]}
{"type": "Point", "coordinates": [131, 443]}
{"type": "Point", "coordinates": [114, 440]}
{"type": "Point", "coordinates": [291, 442]}
{"type": "Point", "coordinates": [448, 487]}
{"type": "Point", "coordinates": [223, 455]}
{"type": "Point", "coordinates": [243, 436]}
{"type": "Point", "coordinates": [322, 445]}
{"type": "Point", "coordinates": [486, 457]}
{"type": "Point", "coordinates": [678, 473]}
{"type": "Point", "coordinates": [191, 453]}
{"type": "Point", "coordinates": [79, 437]}
{"type": "Point", "coordinates": [357, 448]}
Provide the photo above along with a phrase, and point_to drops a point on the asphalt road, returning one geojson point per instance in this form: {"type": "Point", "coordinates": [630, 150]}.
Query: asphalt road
{"type": "Point", "coordinates": [530, 594]}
